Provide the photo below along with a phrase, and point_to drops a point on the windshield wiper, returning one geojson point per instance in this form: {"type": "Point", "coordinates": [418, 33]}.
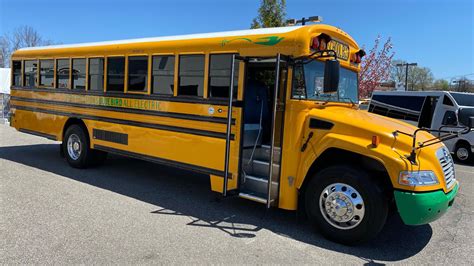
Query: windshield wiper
{"type": "Point", "coordinates": [343, 98]}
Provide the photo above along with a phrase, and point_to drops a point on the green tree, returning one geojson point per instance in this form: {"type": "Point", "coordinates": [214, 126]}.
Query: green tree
{"type": "Point", "coordinates": [441, 84]}
{"type": "Point", "coordinates": [271, 13]}
{"type": "Point", "coordinates": [421, 78]}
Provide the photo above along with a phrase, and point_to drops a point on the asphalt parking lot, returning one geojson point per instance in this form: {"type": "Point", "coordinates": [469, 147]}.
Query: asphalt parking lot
{"type": "Point", "coordinates": [129, 211]}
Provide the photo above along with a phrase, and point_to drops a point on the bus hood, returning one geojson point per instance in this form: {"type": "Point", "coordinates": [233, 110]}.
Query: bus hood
{"type": "Point", "coordinates": [363, 124]}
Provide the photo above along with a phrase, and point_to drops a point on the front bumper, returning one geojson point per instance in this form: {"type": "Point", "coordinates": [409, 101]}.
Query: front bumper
{"type": "Point", "coordinates": [422, 208]}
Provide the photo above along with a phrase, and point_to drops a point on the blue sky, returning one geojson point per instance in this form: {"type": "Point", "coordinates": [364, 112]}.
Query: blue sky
{"type": "Point", "coordinates": [436, 34]}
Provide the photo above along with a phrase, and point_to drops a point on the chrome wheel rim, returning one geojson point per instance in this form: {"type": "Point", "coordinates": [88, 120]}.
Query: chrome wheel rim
{"type": "Point", "coordinates": [74, 146]}
{"type": "Point", "coordinates": [462, 153]}
{"type": "Point", "coordinates": [342, 206]}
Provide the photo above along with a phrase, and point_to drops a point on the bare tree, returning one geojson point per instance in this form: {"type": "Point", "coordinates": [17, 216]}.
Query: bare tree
{"type": "Point", "coordinates": [23, 36]}
{"type": "Point", "coordinates": [419, 78]}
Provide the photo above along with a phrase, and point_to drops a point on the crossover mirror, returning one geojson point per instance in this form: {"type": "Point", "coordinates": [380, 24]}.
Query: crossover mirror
{"type": "Point", "coordinates": [331, 76]}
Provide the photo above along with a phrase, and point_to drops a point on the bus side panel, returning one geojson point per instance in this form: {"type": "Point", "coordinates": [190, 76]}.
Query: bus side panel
{"type": "Point", "coordinates": [35, 122]}
{"type": "Point", "coordinates": [295, 115]}
{"type": "Point", "coordinates": [193, 150]}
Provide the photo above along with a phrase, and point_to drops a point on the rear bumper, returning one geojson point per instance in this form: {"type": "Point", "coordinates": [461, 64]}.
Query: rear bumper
{"type": "Point", "coordinates": [422, 208]}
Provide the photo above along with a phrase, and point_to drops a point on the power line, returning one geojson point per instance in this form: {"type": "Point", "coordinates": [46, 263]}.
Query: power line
{"type": "Point", "coordinates": [458, 76]}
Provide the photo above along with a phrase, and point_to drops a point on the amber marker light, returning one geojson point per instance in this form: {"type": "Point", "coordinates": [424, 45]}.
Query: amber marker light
{"type": "Point", "coordinates": [375, 141]}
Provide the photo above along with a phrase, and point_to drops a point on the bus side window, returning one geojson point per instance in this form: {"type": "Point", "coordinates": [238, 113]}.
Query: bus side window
{"type": "Point", "coordinates": [449, 119]}
{"type": "Point", "coordinates": [96, 74]}
{"type": "Point", "coordinates": [46, 73]}
{"type": "Point", "coordinates": [219, 76]}
{"type": "Point", "coordinates": [299, 88]}
{"type": "Point", "coordinates": [447, 101]}
{"type": "Point", "coordinates": [16, 81]}
{"type": "Point", "coordinates": [116, 74]}
{"type": "Point", "coordinates": [79, 74]}
{"type": "Point", "coordinates": [191, 75]}
{"type": "Point", "coordinates": [62, 73]}
{"type": "Point", "coordinates": [137, 73]}
{"type": "Point", "coordinates": [162, 79]}
{"type": "Point", "coordinates": [29, 75]}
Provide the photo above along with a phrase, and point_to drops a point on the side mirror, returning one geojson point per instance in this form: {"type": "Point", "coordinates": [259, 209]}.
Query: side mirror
{"type": "Point", "coordinates": [331, 76]}
{"type": "Point", "coordinates": [466, 117]}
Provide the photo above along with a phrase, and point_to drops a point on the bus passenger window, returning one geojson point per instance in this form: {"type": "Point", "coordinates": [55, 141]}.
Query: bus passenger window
{"type": "Point", "coordinates": [191, 75]}
{"type": "Point", "coordinates": [31, 66]}
{"type": "Point", "coordinates": [137, 73]}
{"type": "Point", "coordinates": [115, 74]}
{"type": "Point", "coordinates": [78, 74]}
{"type": "Point", "coordinates": [62, 73]}
{"type": "Point", "coordinates": [46, 73]}
{"type": "Point", "coordinates": [16, 73]}
{"type": "Point", "coordinates": [96, 74]}
{"type": "Point", "coordinates": [163, 74]}
{"type": "Point", "coordinates": [219, 76]}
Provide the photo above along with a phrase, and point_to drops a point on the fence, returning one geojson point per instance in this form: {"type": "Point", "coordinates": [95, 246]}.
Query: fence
{"type": "Point", "coordinates": [4, 108]}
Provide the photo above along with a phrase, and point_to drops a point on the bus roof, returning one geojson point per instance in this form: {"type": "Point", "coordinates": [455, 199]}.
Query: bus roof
{"type": "Point", "coordinates": [250, 41]}
{"type": "Point", "coordinates": [235, 33]}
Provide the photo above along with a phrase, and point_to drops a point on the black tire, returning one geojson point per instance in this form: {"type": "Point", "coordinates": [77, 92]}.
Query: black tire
{"type": "Point", "coordinates": [462, 153]}
{"type": "Point", "coordinates": [87, 157]}
{"type": "Point", "coordinates": [375, 204]}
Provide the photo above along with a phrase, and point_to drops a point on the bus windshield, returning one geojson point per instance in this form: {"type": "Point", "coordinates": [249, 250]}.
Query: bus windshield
{"type": "Point", "coordinates": [309, 80]}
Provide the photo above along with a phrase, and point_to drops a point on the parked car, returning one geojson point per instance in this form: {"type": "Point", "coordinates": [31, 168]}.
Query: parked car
{"type": "Point", "coordinates": [429, 109]}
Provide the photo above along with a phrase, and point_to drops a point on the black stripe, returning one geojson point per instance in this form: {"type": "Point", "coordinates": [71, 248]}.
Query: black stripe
{"type": "Point", "coordinates": [220, 120]}
{"type": "Point", "coordinates": [110, 136]}
{"type": "Point", "coordinates": [36, 133]}
{"type": "Point", "coordinates": [199, 132]}
{"type": "Point", "coordinates": [180, 99]}
{"type": "Point", "coordinates": [153, 159]}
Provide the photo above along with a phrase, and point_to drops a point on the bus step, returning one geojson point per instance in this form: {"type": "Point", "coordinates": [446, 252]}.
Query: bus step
{"type": "Point", "coordinates": [259, 185]}
{"type": "Point", "coordinates": [260, 168]}
{"type": "Point", "coordinates": [257, 197]}
{"type": "Point", "coordinates": [262, 153]}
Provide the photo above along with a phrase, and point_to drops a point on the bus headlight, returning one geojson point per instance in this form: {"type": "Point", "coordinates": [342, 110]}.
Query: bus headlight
{"type": "Point", "coordinates": [417, 178]}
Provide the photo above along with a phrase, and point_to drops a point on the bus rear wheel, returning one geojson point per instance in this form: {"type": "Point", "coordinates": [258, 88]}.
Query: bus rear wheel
{"type": "Point", "coordinates": [345, 205]}
{"type": "Point", "coordinates": [77, 151]}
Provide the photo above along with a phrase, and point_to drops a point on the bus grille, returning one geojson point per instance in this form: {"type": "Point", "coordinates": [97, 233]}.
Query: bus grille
{"type": "Point", "coordinates": [447, 164]}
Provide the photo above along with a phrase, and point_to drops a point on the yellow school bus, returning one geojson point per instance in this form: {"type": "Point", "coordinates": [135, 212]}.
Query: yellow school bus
{"type": "Point", "coordinates": [271, 115]}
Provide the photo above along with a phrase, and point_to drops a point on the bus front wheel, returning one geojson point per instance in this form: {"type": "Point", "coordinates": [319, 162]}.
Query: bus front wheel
{"type": "Point", "coordinates": [345, 205]}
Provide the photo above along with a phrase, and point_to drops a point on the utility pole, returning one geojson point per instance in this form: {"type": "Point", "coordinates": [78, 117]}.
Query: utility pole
{"type": "Point", "coordinates": [406, 72]}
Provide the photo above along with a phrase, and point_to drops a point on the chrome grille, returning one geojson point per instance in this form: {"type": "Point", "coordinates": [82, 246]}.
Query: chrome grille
{"type": "Point", "coordinates": [447, 164]}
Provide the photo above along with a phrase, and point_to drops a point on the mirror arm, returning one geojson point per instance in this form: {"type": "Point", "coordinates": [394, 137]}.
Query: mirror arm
{"type": "Point", "coordinates": [318, 54]}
